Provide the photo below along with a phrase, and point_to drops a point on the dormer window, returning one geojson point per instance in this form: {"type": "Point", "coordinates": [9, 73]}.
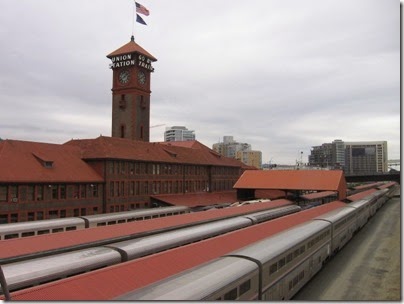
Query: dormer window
{"type": "Point", "coordinates": [48, 164]}
{"type": "Point", "coordinates": [44, 160]}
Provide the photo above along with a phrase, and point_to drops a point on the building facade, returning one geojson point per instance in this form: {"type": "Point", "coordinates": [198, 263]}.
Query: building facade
{"type": "Point", "coordinates": [250, 158]}
{"type": "Point", "coordinates": [179, 133]}
{"type": "Point", "coordinates": [352, 157]}
{"type": "Point", "coordinates": [366, 157]}
{"type": "Point", "coordinates": [102, 175]}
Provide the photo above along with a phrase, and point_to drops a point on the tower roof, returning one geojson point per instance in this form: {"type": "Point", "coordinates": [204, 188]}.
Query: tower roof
{"type": "Point", "coordinates": [131, 47]}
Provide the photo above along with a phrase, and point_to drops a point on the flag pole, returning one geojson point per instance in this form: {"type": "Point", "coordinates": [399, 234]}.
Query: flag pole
{"type": "Point", "coordinates": [133, 20]}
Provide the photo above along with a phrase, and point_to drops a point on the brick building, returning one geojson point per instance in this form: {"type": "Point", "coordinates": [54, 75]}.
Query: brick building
{"type": "Point", "coordinates": [106, 174]}
{"type": "Point", "coordinates": [109, 174]}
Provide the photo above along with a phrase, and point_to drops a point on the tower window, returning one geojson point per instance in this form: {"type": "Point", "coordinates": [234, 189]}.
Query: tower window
{"type": "Point", "coordinates": [123, 131]}
{"type": "Point", "coordinates": [141, 132]}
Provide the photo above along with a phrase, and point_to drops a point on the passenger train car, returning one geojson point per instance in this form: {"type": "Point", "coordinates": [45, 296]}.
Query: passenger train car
{"type": "Point", "coordinates": [24, 229]}
{"type": "Point", "coordinates": [272, 269]}
{"type": "Point", "coordinates": [41, 270]}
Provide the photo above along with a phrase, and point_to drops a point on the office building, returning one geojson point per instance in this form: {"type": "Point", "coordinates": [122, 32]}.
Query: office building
{"type": "Point", "coordinates": [179, 133]}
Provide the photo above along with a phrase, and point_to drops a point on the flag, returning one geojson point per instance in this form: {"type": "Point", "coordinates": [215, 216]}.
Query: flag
{"type": "Point", "coordinates": [141, 9]}
{"type": "Point", "coordinates": [140, 20]}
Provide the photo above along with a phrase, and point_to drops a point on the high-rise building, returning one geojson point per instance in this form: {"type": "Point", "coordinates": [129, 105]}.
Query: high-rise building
{"type": "Point", "coordinates": [179, 133]}
{"type": "Point", "coordinates": [229, 147]}
{"type": "Point", "coordinates": [352, 157]}
{"type": "Point", "coordinates": [241, 151]}
{"type": "Point", "coordinates": [250, 158]}
{"type": "Point", "coordinates": [366, 157]}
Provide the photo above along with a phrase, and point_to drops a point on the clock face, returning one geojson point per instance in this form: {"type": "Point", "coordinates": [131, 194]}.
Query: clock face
{"type": "Point", "coordinates": [124, 77]}
{"type": "Point", "coordinates": [141, 77]}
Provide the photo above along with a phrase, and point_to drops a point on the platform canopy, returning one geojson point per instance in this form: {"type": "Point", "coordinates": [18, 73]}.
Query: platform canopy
{"type": "Point", "coordinates": [292, 180]}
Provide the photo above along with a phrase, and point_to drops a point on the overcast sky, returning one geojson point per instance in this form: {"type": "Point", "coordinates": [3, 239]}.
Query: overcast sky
{"type": "Point", "coordinates": [281, 75]}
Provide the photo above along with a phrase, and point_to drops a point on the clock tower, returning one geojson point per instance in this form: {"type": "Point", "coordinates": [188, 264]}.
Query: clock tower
{"type": "Point", "coordinates": [132, 67]}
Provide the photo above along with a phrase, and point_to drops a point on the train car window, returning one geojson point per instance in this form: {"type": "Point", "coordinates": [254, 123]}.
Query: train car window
{"type": "Point", "coordinates": [71, 228]}
{"type": "Point", "coordinates": [11, 236]}
{"type": "Point", "coordinates": [131, 220]}
{"type": "Point", "coordinates": [155, 216]}
{"type": "Point", "coordinates": [139, 219]}
{"type": "Point", "coordinates": [301, 275]}
{"type": "Point", "coordinates": [302, 249]}
{"type": "Point", "coordinates": [40, 232]}
{"type": "Point", "coordinates": [31, 233]}
{"type": "Point", "coordinates": [168, 214]}
{"type": "Point", "coordinates": [296, 253]}
{"type": "Point", "coordinates": [231, 295]}
{"type": "Point", "coordinates": [112, 223]}
{"type": "Point", "coordinates": [246, 286]}
{"type": "Point", "coordinates": [101, 224]}
{"type": "Point", "coordinates": [147, 217]}
{"type": "Point", "coordinates": [175, 213]}
{"type": "Point", "coordinates": [121, 221]}
{"type": "Point", "coordinates": [162, 215]}
{"type": "Point", "coordinates": [289, 257]}
{"type": "Point", "coordinates": [281, 263]}
{"type": "Point", "coordinates": [290, 285]}
{"type": "Point", "coordinates": [57, 230]}
{"type": "Point", "coordinates": [273, 268]}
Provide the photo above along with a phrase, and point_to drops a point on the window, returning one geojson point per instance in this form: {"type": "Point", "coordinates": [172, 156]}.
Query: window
{"type": "Point", "coordinates": [3, 219]}
{"type": "Point", "coordinates": [273, 268]}
{"type": "Point", "coordinates": [95, 190]}
{"type": "Point", "coordinates": [31, 216]}
{"type": "Point", "coordinates": [281, 263]}
{"type": "Point", "coordinates": [14, 193]}
{"type": "Point", "coordinates": [30, 193]}
{"type": "Point", "coordinates": [231, 295]}
{"type": "Point", "coordinates": [11, 236]}
{"type": "Point", "coordinates": [62, 191]}
{"type": "Point", "coordinates": [53, 214]}
{"type": "Point", "coordinates": [39, 215]}
{"type": "Point", "coordinates": [245, 287]}
{"type": "Point", "coordinates": [14, 218]}
{"type": "Point", "coordinates": [55, 192]}
{"type": "Point", "coordinates": [3, 193]}
{"type": "Point", "coordinates": [31, 233]}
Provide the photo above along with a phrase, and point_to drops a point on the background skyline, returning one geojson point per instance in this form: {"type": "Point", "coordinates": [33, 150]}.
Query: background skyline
{"type": "Point", "coordinates": [281, 75]}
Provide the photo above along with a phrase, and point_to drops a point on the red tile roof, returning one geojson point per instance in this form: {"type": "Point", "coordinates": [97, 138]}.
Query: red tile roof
{"type": "Point", "coordinates": [290, 179]}
{"type": "Point", "coordinates": [131, 47]}
{"type": "Point", "coordinates": [111, 282]}
{"type": "Point", "coordinates": [30, 245]}
{"type": "Point", "coordinates": [24, 161]}
{"type": "Point", "coordinates": [118, 148]}
{"type": "Point", "coordinates": [198, 199]}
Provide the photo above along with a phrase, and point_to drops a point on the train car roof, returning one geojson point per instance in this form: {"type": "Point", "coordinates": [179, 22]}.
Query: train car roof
{"type": "Point", "coordinates": [387, 185]}
{"type": "Point", "coordinates": [192, 284]}
{"type": "Point", "coordinates": [114, 281]}
{"type": "Point", "coordinates": [271, 247]}
{"type": "Point", "coordinates": [134, 213]}
{"type": "Point", "coordinates": [44, 224]}
{"type": "Point", "coordinates": [14, 249]}
{"type": "Point", "coordinates": [360, 195]}
{"type": "Point", "coordinates": [335, 215]}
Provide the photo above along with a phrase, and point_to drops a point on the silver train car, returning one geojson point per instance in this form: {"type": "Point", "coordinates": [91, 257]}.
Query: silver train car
{"type": "Point", "coordinates": [272, 269]}
{"type": "Point", "coordinates": [37, 271]}
{"type": "Point", "coordinates": [24, 229]}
